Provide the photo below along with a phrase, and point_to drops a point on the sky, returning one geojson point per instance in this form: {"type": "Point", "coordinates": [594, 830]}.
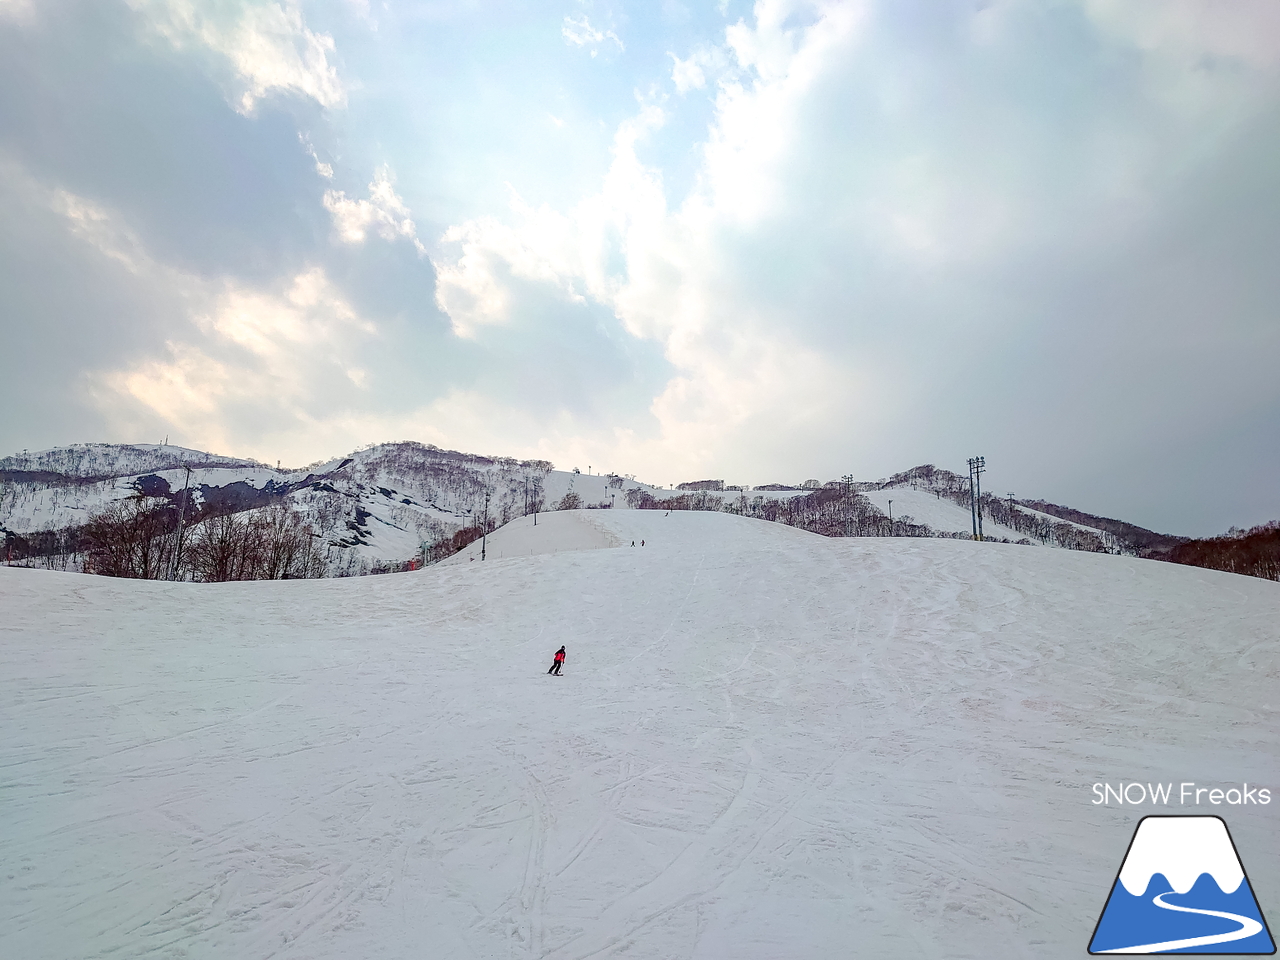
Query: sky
{"type": "Point", "coordinates": [758, 242]}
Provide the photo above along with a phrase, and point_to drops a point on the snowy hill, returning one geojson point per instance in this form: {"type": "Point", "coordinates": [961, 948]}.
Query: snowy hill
{"type": "Point", "coordinates": [766, 744]}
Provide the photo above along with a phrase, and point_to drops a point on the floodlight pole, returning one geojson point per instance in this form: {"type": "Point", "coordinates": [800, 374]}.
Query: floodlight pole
{"type": "Point", "coordinates": [484, 531]}
{"type": "Point", "coordinates": [976, 467]}
{"type": "Point", "coordinates": [973, 517]}
{"type": "Point", "coordinates": [982, 465]}
{"type": "Point", "coordinates": [848, 500]}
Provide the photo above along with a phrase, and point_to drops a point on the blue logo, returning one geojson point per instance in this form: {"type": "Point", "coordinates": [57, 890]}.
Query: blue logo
{"type": "Point", "coordinates": [1182, 889]}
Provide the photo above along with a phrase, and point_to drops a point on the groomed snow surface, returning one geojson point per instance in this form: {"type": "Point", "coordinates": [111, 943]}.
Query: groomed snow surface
{"type": "Point", "coordinates": [766, 744]}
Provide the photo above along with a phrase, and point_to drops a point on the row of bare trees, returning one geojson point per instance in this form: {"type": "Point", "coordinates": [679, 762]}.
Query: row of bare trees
{"type": "Point", "coordinates": [836, 510]}
{"type": "Point", "coordinates": [135, 537]}
{"type": "Point", "coordinates": [1254, 553]}
{"type": "Point", "coordinates": [449, 545]}
{"type": "Point", "coordinates": [142, 538]}
{"type": "Point", "coordinates": [271, 544]}
{"type": "Point", "coordinates": [1034, 526]}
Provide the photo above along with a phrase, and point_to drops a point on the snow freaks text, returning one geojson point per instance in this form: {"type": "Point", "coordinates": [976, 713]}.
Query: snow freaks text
{"type": "Point", "coordinates": [1187, 794]}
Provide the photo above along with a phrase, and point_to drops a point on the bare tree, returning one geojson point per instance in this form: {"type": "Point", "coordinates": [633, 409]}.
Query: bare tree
{"type": "Point", "coordinates": [131, 538]}
{"type": "Point", "coordinates": [285, 546]}
{"type": "Point", "coordinates": [222, 548]}
{"type": "Point", "coordinates": [271, 544]}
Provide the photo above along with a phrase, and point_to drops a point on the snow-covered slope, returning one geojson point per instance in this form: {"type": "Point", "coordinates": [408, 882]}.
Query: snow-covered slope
{"type": "Point", "coordinates": [766, 744]}
{"type": "Point", "coordinates": [377, 505]}
{"type": "Point", "coordinates": [925, 506]}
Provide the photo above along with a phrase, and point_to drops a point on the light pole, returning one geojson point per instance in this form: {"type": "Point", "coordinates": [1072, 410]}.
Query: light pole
{"type": "Point", "coordinates": [182, 516]}
{"type": "Point", "coordinates": [976, 467]}
{"type": "Point", "coordinates": [484, 531]}
{"type": "Point", "coordinates": [982, 465]}
{"type": "Point", "coordinates": [891, 518]}
{"type": "Point", "coordinates": [848, 500]}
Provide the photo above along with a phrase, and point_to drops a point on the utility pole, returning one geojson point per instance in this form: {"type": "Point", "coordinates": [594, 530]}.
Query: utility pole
{"type": "Point", "coordinates": [182, 517]}
{"type": "Point", "coordinates": [977, 465]}
{"type": "Point", "coordinates": [982, 465]}
{"type": "Point", "coordinates": [848, 501]}
{"type": "Point", "coordinates": [891, 518]}
{"type": "Point", "coordinates": [484, 531]}
{"type": "Point", "coordinates": [973, 517]}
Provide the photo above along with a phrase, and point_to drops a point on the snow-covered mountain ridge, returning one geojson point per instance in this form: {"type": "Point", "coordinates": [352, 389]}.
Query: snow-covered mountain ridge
{"type": "Point", "coordinates": [389, 503]}
{"type": "Point", "coordinates": [103, 461]}
{"type": "Point", "coordinates": [377, 506]}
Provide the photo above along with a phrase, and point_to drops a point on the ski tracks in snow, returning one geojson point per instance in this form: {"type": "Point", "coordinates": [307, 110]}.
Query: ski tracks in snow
{"type": "Point", "coordinates": [754, 751]}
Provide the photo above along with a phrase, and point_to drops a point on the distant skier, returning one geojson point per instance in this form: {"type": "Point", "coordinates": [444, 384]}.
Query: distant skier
{"type": "Point", "coordinates": [558, 662]}
{"type": "Point", "coordinates": [642, 543]}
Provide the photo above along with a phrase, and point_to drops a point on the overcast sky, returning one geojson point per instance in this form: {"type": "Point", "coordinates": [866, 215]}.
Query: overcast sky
{"type": "Point", "coordinates": [674, 239]}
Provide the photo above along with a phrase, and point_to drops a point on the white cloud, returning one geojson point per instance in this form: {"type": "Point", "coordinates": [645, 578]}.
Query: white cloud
{"type": "Point", "coordinates": [323, 169]}
{"type": "Point", "coordinates": [1190, 30]}
{"type": "Point", "coordinates": [284, 348]}
{"type": "Point", "coordinates": [270, 355]}
{"type": "Point", "coordinates": [473, 289]}
{"type": "Point", "coordinates": [95, 225]}
{"type": "Point", "coordinates": [271, 325]}
{"type": "Point", "coordinates": [22, 11]}
{"type": "Point", "coordinates": [361, 10]}
{"type": "Point", "coordinates": [1200, 58]}
{"type": "Point", "coordinates": [580, 33]}
{"type": "Point", "coordinates": [691, 73]}
{"type": "Point", "coordinates": [662, 271]}
{"type": "Point", "coordinates": [267, 44]}
{"type": "Point", "coordinates": [384, 213]}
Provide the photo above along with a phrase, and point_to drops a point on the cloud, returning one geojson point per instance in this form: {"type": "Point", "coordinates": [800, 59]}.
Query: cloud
{"type": "Point", "coordinates": [274, 354]}
{"type": "Point", "coordinates": [22, 11]}
{"type": "Point", "coordinates": [474, 289]}
{"type": "Point", "coordinates": [853, 235]}
{"type": "Point", "coordinates": [869, 215]}
{"type": "Point", "coordinates": [691, 73]}
{"type": "Point", "coordinates": [580, 33]}
{"type": "Point", "coordinates": [268, 45]}
{"type": "Point", "coordinates": [384, 213]}
{"type": "Point", "coordinates": [1199, 58]}
{"type": "Point", "coordinates": [1191, 30]}
{"type": "Point", "coordinates": [257, 354]}
{"type": "Point", "coordinates": [95, 225]}
{"type": "Point", "coordinates": [739, 375]}
{"type": "Point", "coordinates": [323, 169]}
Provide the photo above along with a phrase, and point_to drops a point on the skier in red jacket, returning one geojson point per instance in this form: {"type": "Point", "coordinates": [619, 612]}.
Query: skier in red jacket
{"type": "Point", "coordinates": [558, 662]}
